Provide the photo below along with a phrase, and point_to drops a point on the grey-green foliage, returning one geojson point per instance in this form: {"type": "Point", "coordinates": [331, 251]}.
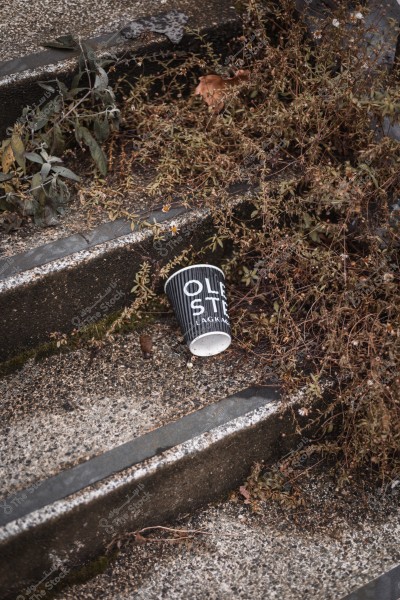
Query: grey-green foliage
{"type": "Point", "coordinates": [33, 180]}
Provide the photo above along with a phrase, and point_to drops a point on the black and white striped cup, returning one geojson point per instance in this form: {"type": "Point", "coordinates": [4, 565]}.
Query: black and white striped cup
{"type": "Point", "coordinates": [197, 294]}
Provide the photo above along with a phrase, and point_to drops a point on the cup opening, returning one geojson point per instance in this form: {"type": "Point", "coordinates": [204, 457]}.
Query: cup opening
{"type": "Point", "coordinates": [209, 344]}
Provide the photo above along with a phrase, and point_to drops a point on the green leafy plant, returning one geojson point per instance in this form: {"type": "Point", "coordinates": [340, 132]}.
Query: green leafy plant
{"type": "Point", "coordinates": [32, 177]}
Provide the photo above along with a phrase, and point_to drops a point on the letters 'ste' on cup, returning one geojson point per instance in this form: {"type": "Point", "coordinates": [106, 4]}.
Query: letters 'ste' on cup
{"type": "Point", "coordinates": [197, 294]}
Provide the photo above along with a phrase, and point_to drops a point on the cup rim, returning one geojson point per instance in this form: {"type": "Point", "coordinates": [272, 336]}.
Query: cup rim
{"type": "Point", "coordinates": [207, 334]}
{"type": "Point", "coordinates": [191, 267]}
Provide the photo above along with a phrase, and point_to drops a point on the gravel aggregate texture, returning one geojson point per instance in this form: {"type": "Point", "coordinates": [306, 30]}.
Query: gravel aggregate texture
{"type": "Point", "coordinates": [23, 30]}
{"type": "Point", "coordinates": [70, 407]}
{"type": "Point", "coordinates": [334, 544]}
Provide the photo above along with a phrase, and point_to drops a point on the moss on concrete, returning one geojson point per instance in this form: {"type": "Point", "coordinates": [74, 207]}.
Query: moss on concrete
{"type": "Point", "coordinates": [95, 331]}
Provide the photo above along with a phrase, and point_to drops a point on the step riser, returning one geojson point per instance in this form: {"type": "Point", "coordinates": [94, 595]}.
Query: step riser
{"type": "Point", "coordinates": [55, 296]}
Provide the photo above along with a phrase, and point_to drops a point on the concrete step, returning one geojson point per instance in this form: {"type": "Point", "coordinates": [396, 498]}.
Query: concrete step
{"type": "Point", "coordinates": [24, 61]}
{"type": "Point", "coordinates": [69, 515]}
{"type": "Point", "coordinates": [330, 548]}
{"type": "Point", "coordinates": [70, 407]}
{"type": "Point", "coordinates": [56, 286]}
{"type": "Point", "coordinates": [82, 431]}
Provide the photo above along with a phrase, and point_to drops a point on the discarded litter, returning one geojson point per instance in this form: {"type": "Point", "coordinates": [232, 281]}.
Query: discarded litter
{"type": "Point", "coordinates": [197, 294]}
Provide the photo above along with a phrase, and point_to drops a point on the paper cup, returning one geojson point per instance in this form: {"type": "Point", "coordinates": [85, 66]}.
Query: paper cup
{"type": "Point", "coordinates": [197, 294]}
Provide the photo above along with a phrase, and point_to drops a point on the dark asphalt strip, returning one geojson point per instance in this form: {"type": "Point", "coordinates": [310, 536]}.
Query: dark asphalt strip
{"type": "Point", "coordinates": [385, 587]}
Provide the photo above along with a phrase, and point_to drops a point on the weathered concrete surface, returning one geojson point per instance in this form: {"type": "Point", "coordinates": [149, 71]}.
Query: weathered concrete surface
{"type": "Point", "coordinates": [65, 246]}
{"type": "Point", "coordinates": [174, 481]}
{"type": "Point", "coordinates": [98, 22]}
{"type": "Point", "coordinates": [133, 451]}
{"type": "Point", "coordinates": [278, 554]}
{"type": "Point", "coordinates": [50, 297]}
{"type": "Point", "coordinates": [60, 411]}
{"type": "Point", "coordinates": [383, 38]}
{"type": "Point", "coordinates": [23, 32]}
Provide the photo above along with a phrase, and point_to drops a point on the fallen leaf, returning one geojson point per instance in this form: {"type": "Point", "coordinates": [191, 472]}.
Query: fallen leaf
{"type": "Point", "coordinates": [146, 345]}
{"type": "Point", "coordinates": [7, 158]}
{"type": "Point", "coordinates": [18, 149]}
{"type": "Point", "coordinates": [245, 493]}
{"type": "Point", "coordinates": [213, 88]}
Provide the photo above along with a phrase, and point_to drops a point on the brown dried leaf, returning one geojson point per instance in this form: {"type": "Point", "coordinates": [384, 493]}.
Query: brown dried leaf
{"type": "Point", "coordinates": [213, 88]}
{"type": "Point", "coordinates": [146, 345]}
{"type": "Point", "coordinates": [7, 159]}
{"type": "Point", "coordinates": [18, 148]}
{"type": "Point", "coordinates": [245, 493]}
